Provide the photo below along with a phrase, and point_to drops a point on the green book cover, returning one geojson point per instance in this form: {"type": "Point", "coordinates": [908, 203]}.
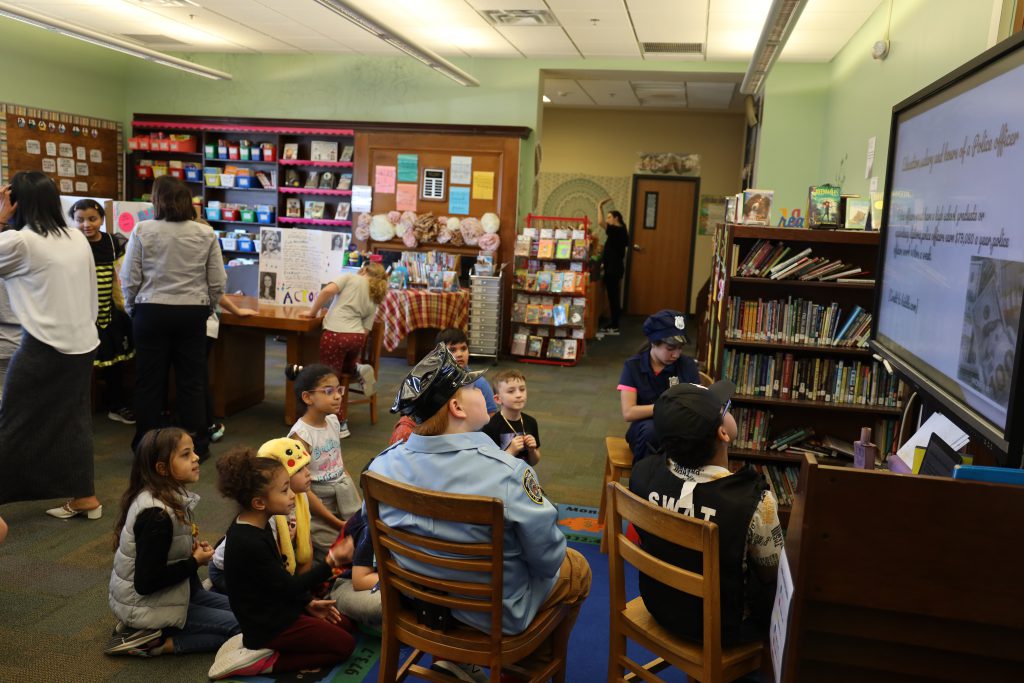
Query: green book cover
{"type": "Point", "coordinates": [823, 206]}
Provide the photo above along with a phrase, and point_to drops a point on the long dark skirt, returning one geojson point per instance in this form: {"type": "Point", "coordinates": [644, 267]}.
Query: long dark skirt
{"type": "Point", "coordinates": [46, 425]}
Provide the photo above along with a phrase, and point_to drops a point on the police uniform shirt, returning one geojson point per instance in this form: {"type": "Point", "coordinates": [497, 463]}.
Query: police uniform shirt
{"type": "Point", "coordinates": [472, 464]}
{"type": "Point", "coordinates": [746, 513]}
{"type": "Point", "coordinates": [638, 375]}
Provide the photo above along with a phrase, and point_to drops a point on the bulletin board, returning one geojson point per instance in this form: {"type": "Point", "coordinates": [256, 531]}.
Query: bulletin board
{"type": "Point", "coordinates": [84, 156]}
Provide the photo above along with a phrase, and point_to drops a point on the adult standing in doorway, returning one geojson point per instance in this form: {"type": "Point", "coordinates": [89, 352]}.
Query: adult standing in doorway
{"type": "Point", "coordinates": [51, 280]}
{"type": "Point", "coordinates": [613, 260]}
{"type": "Point", "coordinates": [172, 277]}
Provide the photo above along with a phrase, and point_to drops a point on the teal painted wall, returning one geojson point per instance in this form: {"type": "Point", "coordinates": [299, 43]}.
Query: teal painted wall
{"type": "Point", "coordinates": [818, 118]}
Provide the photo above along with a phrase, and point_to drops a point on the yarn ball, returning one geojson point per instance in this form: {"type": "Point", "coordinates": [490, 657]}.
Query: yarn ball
{"type": "Point", "coordinates": [453, 224]}
{"type": "Point", "coordinates": [381, 229]}
{"type": "Point", "coordinates": [425, 227]}
{"type": "Point", "coordinates": [404, 224]}
{"type": "Point", "coordinates": [457, 238]}
{"type": "Point", "coordinates": [394, 216]}
{"type": "Point", "coordinates": [363, 221]}
{"type": "Point", "coordinates": [444, 235]}
{"type": "Point", "coordinates": [362, 232]}
{"type": "Point", "coordinates": [489, 241]}
{"type": "Point", "coordinates": [490, 222]}
{"type": "Point", "coordinates": [471, 230]}
{"type": "Point", "coordinates": [409, 238]}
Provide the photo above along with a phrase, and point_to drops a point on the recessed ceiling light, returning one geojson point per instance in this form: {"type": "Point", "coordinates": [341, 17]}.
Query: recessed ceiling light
{"type": "Point", "coordinates": [545, 99]}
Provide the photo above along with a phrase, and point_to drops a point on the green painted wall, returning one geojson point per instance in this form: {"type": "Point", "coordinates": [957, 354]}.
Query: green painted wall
{"type": "Point", "coordinates": [818, 118]}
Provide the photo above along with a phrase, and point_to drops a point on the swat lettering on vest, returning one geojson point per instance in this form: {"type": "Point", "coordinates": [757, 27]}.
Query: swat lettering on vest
{"type": "Point", "coordinates": [677, 505]}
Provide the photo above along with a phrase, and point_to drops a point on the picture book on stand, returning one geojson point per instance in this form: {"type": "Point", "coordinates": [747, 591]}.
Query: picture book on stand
{"type": "Point", "coordinates": [823, 206]}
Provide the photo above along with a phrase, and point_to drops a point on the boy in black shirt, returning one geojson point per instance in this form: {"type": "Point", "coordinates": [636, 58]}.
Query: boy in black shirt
{"type": "Point", "coordinates": [690, 476]}
{"type": "Point", "coordinates": [513, 430]}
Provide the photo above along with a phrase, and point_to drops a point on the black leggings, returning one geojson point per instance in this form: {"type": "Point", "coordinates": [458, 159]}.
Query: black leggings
{"type": "Point", "coordinates": [613, 283]}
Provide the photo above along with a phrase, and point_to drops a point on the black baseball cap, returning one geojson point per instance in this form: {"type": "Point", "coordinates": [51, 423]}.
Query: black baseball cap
{"type": "Point", "coordinates": [691, 411]}
{"type": "Point", "coordinates": [430, 385]}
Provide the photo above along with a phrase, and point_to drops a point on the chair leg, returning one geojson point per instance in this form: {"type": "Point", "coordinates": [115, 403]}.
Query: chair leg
{"type": "Point", "coordinates": [560, 648]}
{"type": "Point", "coordinates": [389, 649]}
{"type": "Point", "coordinates": [616, 651]}
{"type": "Point", "coordinates": [373, 409]}
{"type": "Point", "coordinates": [600, 510]}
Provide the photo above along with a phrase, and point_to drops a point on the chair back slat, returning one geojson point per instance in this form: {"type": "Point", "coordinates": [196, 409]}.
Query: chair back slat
{"type": "Point", "coordinates": [446, 507]}
{"type": "Point", "coordinates": [659, 570]}
{"type": "Point", "coordinates": [651, 519]}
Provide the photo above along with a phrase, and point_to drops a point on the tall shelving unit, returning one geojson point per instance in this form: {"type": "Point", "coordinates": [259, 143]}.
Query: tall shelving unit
{"type": "Point", "coordinates": [740, 348]}
{"type": "Point", "coordinates": [534, 300]}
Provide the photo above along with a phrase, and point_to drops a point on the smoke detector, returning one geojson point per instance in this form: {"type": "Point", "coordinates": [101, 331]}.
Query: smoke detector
{"type": "Point", "coordinates": [880, 50]}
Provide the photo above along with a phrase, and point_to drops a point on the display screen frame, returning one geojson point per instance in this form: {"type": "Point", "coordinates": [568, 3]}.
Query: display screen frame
{"type": "Point", "coordinates": [1006, 439]}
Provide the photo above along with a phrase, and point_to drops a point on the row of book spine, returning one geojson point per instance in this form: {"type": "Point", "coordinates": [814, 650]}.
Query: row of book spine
{"type": "Point", "coordinates": [779, 261]}
{"type": "Point", "coordinates": [784, 377]}
{"type": "Point", "coordinates": [751, 427]}
{"type": "Point", "coordinates": [796, 321]}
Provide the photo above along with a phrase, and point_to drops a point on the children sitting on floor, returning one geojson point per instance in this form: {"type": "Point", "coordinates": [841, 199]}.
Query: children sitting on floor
{"type": "Point", "coordinates": [455, 340]}
{"type": "Point", "coordinates": [514, 431]}
{"type": "Point", "coordinates": [318, 393]}
{"type": "Point", "coordinates": [154, 587]}
{"type": "Point", "coordinates": [356, 591]}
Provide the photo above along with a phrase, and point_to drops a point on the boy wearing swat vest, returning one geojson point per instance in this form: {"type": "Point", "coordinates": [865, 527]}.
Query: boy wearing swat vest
{"type": "Point", "coordinates": [690, 476]}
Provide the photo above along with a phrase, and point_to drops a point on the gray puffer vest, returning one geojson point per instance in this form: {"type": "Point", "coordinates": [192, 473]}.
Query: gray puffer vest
{"type": "Point", "coordinates": [168, 606]}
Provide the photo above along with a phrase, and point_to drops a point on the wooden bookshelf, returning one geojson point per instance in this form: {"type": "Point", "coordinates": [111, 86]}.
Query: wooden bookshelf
{"type": "Point", "coordinates": [732, 244]}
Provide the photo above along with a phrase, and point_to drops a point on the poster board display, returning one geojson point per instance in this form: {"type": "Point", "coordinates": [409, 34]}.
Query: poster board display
{"type": "Point", "coordinates": [296, 264]}
{"type": "Point", "coordinates": [84, 156]}
{"type": "Point", "coordinates": [123, 216]}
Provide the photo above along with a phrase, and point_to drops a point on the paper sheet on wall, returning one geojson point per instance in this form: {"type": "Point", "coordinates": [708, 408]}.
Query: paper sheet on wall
{"type": "Point", "coordinates": [458, 201]}
{"type": "Point", "coordinates": [462, 170]}
{"type": "Point", "coordinates": [870, 166]}
{"type": "Point", "coordinates": [362, 198]}
{"type": "Point", "coordinates": [483, 185]}
{"type": "Point", "coordinates": [780, 615]}
{"type": "Point", "coordinates": [296, 264]}
{"type": "Point", "coordinates": [384, 179]}
{"type": "Point", "coordinates": [408, 168]}
{"type": "Point", "coordinates": [405, 197]}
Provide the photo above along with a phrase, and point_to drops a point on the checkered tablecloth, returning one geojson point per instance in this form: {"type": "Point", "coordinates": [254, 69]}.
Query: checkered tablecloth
{"type": "Point", "coordinates": [405, 310]}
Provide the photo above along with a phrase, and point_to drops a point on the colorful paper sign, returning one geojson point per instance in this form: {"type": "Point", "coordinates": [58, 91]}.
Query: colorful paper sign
{"type": "Point", "coordinates": [458, 200]}
{"type": "Point", "coordinates": [462, 171]}
{"type": "Point", "coordinates": [408, 168]}
{"type": "Point", "coordinates": [405, 197]}
{"type": "Point", "coordinates": [483, 185]}
{"type": "Point", "coordinates": [384, 179]}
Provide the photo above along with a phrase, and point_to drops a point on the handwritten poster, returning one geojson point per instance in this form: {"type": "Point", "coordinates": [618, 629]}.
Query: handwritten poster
{"type": "Point", "coordinates": [405, 197]}
{"type": "Point", "coordinates": [408, 168]}
{"type": "Point", "coordinates": [462, 170]}
{"type": "Point", "coordinates": [362, 198]}
{"type": "Point", "coordinates": [483, 185]}
{"type": "Point", "coordinates": [296, 264]}
{"type": "Point", "coordinates": [384, 179]}
{"type": "Point", "coordinates": [458, 200]}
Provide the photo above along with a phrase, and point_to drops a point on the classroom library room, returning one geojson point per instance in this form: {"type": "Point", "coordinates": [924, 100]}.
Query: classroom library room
{"type": "Point", "coordinates": [355, 341]}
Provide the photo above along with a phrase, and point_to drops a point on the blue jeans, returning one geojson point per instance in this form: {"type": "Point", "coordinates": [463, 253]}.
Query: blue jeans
{"type": "Point", "coordinates": [642, 439]}
{"type": "Point", "coordinates": [209, 623]}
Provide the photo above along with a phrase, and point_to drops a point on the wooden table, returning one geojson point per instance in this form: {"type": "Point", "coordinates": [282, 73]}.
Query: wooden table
{"type": "Point", "coordinates": [239, 356]}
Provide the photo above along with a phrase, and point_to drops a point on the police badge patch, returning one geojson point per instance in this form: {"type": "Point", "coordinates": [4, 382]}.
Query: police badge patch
{"type": "Point", "coordinates": [532, 488]}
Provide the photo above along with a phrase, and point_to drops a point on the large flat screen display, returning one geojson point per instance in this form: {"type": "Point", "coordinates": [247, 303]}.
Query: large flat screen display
{"type": "Point", "coordinates": [952, 268]}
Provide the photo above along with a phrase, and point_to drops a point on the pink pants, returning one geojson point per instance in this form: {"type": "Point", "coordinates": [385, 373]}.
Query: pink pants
{"type": "Point", "coordinates": [341, 351]}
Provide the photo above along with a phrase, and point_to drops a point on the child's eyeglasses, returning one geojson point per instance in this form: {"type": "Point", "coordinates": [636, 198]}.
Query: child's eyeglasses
{"type": "Point", "coordinates": [726, 406]}
{"type": "Point", "coordinates": [330, 391]}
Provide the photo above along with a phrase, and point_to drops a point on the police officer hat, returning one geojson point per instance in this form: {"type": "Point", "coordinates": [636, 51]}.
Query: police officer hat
{"type": "Point", "coordinates": [666, 326]}
{"type": "Point", "coordinates": [691, 411]}
{"type": "Point", "coordinates": [430, 385]}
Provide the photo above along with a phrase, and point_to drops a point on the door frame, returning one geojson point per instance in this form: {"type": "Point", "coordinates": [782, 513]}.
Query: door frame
{"type": "Point", "coordinates": [633, 223]}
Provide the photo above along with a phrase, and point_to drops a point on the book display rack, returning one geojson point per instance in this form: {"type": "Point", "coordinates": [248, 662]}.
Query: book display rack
{"type": "Point", "coordinates": [549, 290]}
{"type": "Point", "coordinates": [792, 334]}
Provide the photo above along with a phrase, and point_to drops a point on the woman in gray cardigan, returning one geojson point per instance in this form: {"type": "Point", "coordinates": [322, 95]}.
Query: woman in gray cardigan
{"type": "Point", "coordinates": [172, 277]}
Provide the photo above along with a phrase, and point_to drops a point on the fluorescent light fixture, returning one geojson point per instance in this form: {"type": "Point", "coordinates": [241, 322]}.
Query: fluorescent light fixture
{"type": "Point", "coordinates": [110, 42]}
{"type": "Point", "coordinates": [780, 22]}
{"type": "Point", "coordinates": [399, 42]}
{"type": "Point", "coordinates": [545, 99]}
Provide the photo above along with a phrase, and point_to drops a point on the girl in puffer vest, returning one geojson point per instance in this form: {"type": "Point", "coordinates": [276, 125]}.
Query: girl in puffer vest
{"type": "Point", "coordinates": [155, 591]}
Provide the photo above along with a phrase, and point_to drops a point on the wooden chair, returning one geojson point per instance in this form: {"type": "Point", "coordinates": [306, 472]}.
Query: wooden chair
{"type": "Point", "coordinates": [617, 464]}
{"type": "Point", "coordinates": [705, 379]}
{"type": "Point", "coordinates": [371, 357]}
{"type": "Point", "coordinates": [707, 662]}
{"type": "Point", "coordinates": [479, 591]}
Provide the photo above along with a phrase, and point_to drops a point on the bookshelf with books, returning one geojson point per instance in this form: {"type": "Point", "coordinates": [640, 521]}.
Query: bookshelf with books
{"type": "Point", "coordinates": [550, 281]}
{"type": "Point", "coordinates": [788, 318]}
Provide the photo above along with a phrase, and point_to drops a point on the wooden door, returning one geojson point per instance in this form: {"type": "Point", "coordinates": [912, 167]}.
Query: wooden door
{"type": "Point", "coordinates": [662, 227]}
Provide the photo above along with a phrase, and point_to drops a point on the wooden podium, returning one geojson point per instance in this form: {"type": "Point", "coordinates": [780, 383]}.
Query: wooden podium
{"type": "Point", "coordinates": [904, 578]}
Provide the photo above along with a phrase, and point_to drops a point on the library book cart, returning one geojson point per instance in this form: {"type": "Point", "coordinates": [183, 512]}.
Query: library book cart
{"type": "Point", "coordinates": [795, 345]}
{"type": "Point", "coordinates": [901, 578]}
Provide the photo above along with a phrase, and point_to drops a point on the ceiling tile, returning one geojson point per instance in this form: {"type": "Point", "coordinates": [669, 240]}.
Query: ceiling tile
{"type": "Point", "coordinates": [610, 93]}
{"type": "Point", "coordinates": [539, 41]}
{"type": "Point", "coordinates": [710, 95]}
{"type": "Point", "coordinates": [565, 92]}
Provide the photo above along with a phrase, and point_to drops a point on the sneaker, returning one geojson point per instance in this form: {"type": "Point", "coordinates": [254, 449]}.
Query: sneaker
{"type": "Point", "coordinates": [126, 640]}
{"type": "Point", "coordinates": [611, 331]}
{"type": "Point", "coordinates": [366, 379]}
{"type": "Point", "coordinates": [234, 659]}
{"type": "Point", "coordinates": [216, 431]}
{"type": "Point", "coordinates": [345, 433]}
{"type": "Point", "coordinates": [124, 415]}
{"type": "Point", "coordinates": [470, 673]}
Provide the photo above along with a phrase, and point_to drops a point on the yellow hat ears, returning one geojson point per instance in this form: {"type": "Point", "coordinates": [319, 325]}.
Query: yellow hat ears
{"type": "Point", "coordinates": [289, 452]}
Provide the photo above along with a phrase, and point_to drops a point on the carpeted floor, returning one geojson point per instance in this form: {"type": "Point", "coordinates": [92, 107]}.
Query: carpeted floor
{"type": "Point", "coordinates": [54, 618]}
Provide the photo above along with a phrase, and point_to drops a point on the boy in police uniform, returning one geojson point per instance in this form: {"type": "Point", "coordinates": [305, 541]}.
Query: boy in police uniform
{"type": "Point", "coordinates": [690, 476]}
{"type": "Point", "coordinates": [448, 453]}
